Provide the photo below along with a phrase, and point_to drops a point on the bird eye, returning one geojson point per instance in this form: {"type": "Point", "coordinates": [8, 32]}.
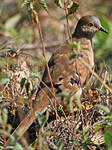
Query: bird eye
{"type": "Point", "coordinates": [90, 24]}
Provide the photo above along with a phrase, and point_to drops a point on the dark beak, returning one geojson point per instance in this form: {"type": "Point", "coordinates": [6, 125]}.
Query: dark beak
{"type": "Point", "coordinates": [102, 29]}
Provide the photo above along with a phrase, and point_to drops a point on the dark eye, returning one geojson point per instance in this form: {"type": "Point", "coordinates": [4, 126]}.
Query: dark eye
{"type": "Point", "coordinates": [90, 24]}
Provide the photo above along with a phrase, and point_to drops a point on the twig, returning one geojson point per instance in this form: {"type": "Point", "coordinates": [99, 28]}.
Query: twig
{"type": "Point", "coordinates": [43, 46]}
{"type": "Point", "coordinates": [35, 15]}
{"type": "Point", "coordinates": [68, 26]}
{"type": "Point", "coordinates": [97, 76]}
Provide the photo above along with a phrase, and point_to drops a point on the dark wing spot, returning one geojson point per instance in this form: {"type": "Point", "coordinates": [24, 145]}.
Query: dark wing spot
{"type": "Point", "coordinates": [74, 81]}
{"type": "Point", "coordinates": [61, 78]}
{"type": "Point", "coordinates": [57, 87]}
{"type": "Point", "coordinates": [77, 81]}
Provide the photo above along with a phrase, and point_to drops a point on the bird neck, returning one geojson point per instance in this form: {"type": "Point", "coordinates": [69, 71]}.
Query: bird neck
{"type": "Point", "coordinates": [80, 35]}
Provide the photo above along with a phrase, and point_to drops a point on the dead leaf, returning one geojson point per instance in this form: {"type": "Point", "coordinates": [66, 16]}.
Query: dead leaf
{"type": "Point", "coordinates": [92, 92]}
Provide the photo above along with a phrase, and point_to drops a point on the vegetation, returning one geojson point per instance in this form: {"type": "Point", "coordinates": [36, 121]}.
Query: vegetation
{"type": "Point", "coordinates": [23, 57]}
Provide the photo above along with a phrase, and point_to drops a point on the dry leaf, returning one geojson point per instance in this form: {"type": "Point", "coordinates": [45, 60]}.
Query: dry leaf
{"type": "Point", "coordinates": [92, 92]}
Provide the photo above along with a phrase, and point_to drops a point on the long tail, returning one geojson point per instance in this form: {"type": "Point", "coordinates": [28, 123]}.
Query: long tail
{"type": "Point", "coordinates": [23, 127]}
{"type": "Point", "coordinates": [40, 104]}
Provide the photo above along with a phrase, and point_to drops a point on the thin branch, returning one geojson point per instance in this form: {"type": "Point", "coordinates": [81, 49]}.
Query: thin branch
{"type": "Point", "coordinates": [68, 26]}
{"type": "Point", "coordinates": [97, 76]}
{"type": "Point", "coordinates": [43, 46]}
{"type": "Point", "coordinates": [35, 15]}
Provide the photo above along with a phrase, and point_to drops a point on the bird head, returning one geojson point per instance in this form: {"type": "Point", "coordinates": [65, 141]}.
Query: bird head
{"type": "Point", "coordinates": [87, 26]}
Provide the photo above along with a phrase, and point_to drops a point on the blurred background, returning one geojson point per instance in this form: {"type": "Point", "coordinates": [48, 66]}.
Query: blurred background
{"type": "Point", "coordinates": [17, 27]}
{"type": "Point", "coordinates": [21, 56]}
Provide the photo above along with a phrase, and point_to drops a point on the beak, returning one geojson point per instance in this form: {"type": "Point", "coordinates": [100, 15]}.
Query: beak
{"type": "Point", "coordinates": [102, 29]}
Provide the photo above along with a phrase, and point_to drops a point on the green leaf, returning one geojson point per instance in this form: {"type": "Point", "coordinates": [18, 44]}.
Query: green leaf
{"type": "Point", "coordinates": [59, 144]}
{"type": "Point", "coordinates": [29, 8]}
{"type": "Point", "coordinates": [71, 16]}
{"type": "Point", "coordinates": [97, 127]}
{"type": "Point", "coordinates": [3, 79]}
{"type": "Point", "coordinates": [1, 147]}
{"type": "Point", "coordinates": [108, 117]}
{"type": "Point", "coordinates": [63, 94]}
{"type": "Point", "coordinates": [5, 116]}
{"type": "Point", "coordinates": [2, 63]}
{"type": "Point", "coordinates": [75, 45]}
{"type": "Point", "coordinates": [9, 61]}
{"type": "Point", "coordinates": [16, 147]}
{"type": "Point", "coordinates": [43, 4]}
{"type": "Point", "coordinates": [72, 56]}
{"type": "Point", "coordinates": [72, 7]}
{"type": "Point", "coordinates": [22, 83]}
{"type": "Point", "coordinates": [27, 87]}
{"type": "Point", "coordinates": [35, 76]}
{"type": "Point", "coordinates": [59, 3]}
{"type": "Point", "coordinates": [14, 32]}
{"type": "Point", "coordinates": [105, 109]}
{"type": "Point", "coordinates": [78, 102]}
{"type": "Point", "coordinates": [108, 139]}
{"type": "Point", "coordinates": [42, 119]}
{"type": "Point", "coordinates": [3, 75]}
{"type": "Point", "coordinates": [22, 100]}
{"type": "Point", "coordinates": [85, 48]}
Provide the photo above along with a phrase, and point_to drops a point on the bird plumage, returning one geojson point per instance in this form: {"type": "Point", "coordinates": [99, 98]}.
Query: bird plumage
{"type": "Point", "coordinates": [68, 74]}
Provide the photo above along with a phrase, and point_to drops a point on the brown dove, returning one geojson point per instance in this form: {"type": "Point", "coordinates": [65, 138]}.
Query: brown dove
{"type": "Point", "coordinates": [69, 75]}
